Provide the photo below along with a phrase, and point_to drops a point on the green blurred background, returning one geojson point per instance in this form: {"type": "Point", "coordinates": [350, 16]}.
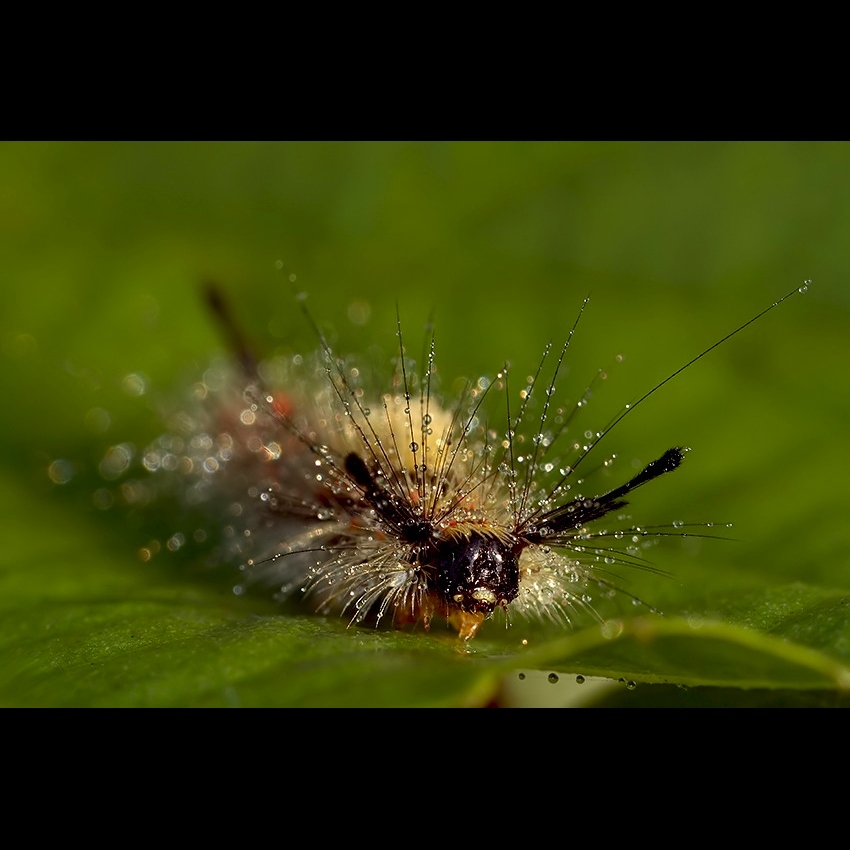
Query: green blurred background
{"type": "Point", "coordinates": [104, 246]}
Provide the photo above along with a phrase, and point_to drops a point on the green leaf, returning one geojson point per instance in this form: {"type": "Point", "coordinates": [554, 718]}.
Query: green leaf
{"type": "Point", "coordinates": [104, 249]}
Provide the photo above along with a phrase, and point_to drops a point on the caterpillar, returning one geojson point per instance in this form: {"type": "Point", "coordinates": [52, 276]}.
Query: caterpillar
{"type": "Point", "coordinates": [395, 506]}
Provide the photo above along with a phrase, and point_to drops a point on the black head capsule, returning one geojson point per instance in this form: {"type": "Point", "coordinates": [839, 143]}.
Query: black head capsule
{"type": "Point", "coordinates": [476, 572]}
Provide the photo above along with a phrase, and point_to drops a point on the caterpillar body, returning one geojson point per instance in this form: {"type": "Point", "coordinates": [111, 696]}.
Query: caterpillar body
{"type": "Point", "coordinates": [397, 507]}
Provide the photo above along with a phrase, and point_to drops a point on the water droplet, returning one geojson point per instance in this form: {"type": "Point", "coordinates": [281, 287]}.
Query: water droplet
{"type": "Point", "coordinates": [135, 384]}
{"type": "Point", "coordinates": [805, 287]}
{"type": "Point", "coordinates": [103, 499]}
{"type": "Point", "coordinates": [60, 471]}
{"type": "Point", "coordinates": [359, 312]}
{"type": "Point", "coordinates": [116, 461]}
{"type": "Point", "coordinates": [612, 629]}
{"type": "Point", "coordinates": [553, 678]}
{"type": "Point", "coordinates": [579, 679]}
{"type": "Point", "coordinates": [98, 420]}
{"type": "Point", "coordinates": [176, 541]}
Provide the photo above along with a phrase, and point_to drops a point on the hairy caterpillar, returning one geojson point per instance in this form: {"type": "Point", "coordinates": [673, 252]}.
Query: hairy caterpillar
{"type": "Point", "coordinates": [391, 505]}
